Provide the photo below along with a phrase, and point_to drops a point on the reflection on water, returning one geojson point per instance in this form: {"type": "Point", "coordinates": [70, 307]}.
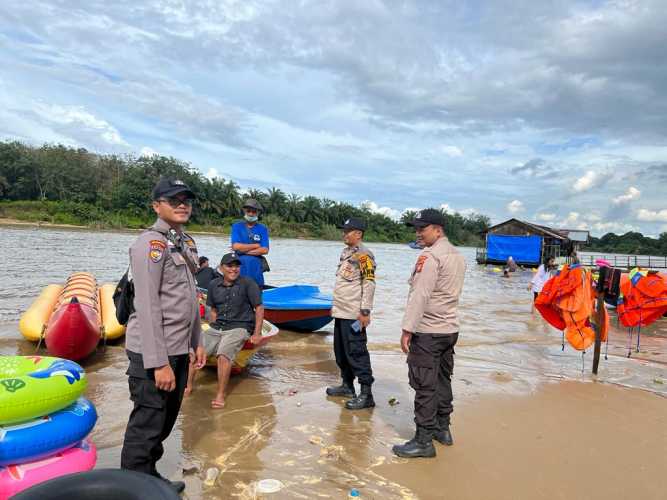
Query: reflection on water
{"type": "Point", "coordinates": [277, 423]}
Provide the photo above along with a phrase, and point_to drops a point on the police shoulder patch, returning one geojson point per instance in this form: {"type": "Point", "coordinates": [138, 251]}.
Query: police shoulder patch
{"type": "Point", "coordinates": [420, 263]}
{"type": "Point", "coordinates": [156, 250]}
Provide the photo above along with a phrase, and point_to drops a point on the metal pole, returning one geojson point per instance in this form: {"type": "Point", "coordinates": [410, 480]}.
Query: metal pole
{"type": "Point", "coordinates": [598, 333]}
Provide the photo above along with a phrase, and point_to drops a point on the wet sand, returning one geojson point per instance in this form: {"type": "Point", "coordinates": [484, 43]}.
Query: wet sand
{"type": "Point", "coordinates": [560, 439]}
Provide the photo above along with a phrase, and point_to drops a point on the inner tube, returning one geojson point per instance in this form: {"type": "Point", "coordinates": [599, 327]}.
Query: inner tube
{"type": "Point", "coordinates": [101, 484]}
{"type": "Point", "coordinates": [17, 478]}
{"type": "Point", "coordinates": [34, 386]}
{"type": "Point", "coordinates": [47, 435]}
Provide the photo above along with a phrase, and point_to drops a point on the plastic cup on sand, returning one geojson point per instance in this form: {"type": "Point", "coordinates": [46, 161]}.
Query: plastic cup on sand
{"type": "Point", "coordinates": [269, 486]}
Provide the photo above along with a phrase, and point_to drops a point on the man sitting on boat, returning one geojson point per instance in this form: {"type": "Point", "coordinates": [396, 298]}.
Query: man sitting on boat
{"type": "Point", "coordinates": [236, 315]}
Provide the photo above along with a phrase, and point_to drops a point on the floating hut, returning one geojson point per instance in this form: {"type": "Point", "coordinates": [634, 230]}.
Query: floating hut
{"type": "Point", "coordinates": [528, 243]}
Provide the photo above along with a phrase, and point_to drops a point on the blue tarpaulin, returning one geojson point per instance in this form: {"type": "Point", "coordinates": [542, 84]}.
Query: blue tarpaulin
{"type": "Point", "coordinates": [523, 249]}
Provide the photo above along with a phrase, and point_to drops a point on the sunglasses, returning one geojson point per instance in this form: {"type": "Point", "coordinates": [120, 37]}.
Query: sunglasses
{"type": "Point", "coordinates": [177, 202]}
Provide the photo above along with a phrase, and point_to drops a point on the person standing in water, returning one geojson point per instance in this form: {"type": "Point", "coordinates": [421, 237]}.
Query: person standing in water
{"type": "Point", "coordinates": [250, 241]}
{"type": "Point", "coordinates": [544, 272]}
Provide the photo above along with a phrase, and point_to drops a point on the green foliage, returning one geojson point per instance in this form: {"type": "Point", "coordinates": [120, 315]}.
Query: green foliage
{"type": "Point", "coordinates": [63, 185]}
{"type": "Point", "coordinates": [629, 243]}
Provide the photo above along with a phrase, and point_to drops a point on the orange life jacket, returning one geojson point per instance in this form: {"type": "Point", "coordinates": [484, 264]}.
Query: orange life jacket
{"type": "Point", "coordinates": [643, 298]}
{"type": "Point", "coordinates": [567, 302]}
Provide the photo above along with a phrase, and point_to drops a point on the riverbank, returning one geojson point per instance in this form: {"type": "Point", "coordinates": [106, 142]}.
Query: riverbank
{"type": "Point", "coordinates": [530, 421]}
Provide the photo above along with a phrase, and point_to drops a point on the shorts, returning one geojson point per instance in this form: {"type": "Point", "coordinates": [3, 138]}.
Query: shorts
{"type": "Point", "coordinates": [225, 343]}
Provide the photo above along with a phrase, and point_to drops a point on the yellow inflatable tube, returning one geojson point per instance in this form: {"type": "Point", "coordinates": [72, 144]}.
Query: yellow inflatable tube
{"type": "Point", "coordinates": [33, 320]}
{"type": "Point", "coordinates": [112, 329]}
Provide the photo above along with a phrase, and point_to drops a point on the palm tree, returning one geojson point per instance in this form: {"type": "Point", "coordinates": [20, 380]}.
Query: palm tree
{"type": "Point", "coordinates": [276, 201]}
{"type": "Point", "coordinates": [312, 209]}
{"type": "Point", "coordinates": [293, 210]}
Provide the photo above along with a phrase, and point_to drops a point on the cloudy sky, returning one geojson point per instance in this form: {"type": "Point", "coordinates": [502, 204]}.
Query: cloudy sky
{"type": "Point", "coordinates": [550, 111]}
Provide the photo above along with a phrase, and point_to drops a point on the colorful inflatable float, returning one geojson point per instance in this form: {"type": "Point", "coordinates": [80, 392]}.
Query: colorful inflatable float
{"type": "Point", "coordinates": [43, 421]}
{"type": "Point", "coordinates": [302, 308]}
{"type": "Point", "coordinates": [71, 319]}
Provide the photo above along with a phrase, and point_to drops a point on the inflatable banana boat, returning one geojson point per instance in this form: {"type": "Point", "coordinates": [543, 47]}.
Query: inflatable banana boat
{"type": "Point", "coordinates": [72, 318]}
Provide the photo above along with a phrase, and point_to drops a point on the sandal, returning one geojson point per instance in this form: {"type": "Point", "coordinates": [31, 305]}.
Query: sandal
{"type": "Point", "coordinates": [217, 405]}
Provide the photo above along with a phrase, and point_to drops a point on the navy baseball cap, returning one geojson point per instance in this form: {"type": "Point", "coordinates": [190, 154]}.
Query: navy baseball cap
{"type": "Point", "coordinates": [353, 223]}
{"type": "Point", "coordinates": [167, 187]}
{"type": "Point", "coordinates": [229, 258]}
{"type": "Point", "coordinates": [427, 217]}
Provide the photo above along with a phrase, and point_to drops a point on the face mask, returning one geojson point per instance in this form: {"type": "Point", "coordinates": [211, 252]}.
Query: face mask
{"type": "Point", "coordinates": [250, 218]}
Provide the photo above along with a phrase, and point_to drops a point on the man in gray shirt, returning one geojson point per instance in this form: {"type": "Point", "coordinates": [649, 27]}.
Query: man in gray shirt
{"type": "Point", "coordinates": [163, 328]}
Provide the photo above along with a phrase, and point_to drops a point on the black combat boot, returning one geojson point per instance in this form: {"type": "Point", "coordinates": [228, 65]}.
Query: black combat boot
{"type": "Point", "coordinates": [419, 446]}
{"type": "Point", "coordinates": [346, 389]}
{"type": "Point", "coordinates": [444, 436]}
{"type": "Point", "coordinates": [363, 400]}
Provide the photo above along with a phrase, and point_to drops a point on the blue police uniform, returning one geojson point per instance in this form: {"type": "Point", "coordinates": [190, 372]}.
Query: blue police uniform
{"type": "Point", "coordinates": [251, 265]}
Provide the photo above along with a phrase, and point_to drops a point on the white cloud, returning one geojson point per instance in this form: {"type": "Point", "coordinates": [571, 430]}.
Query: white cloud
{"type": "Point", "coordinates": [515, 206]}
{"type": "Point", "coordinates": [546, 217]}
{"type": "Point", "coordinates": [572, 219]}
{"type": "Point", "coordinates": [646, 215]}
{"type": "Point", "coordinates": [376, 209]}
{"type": "Point", "coordinates": [77, 117]}
{"type": "Point", "coordinates": [631, 194]}
{"type": "Point", "coordinates": [452, 151]}
{"type": "Point", "coordinates": [149, 152]}
{"type": "Point", "coordinates": [212, 173]}
{"type": "Point", "coordinates": [588, 181]}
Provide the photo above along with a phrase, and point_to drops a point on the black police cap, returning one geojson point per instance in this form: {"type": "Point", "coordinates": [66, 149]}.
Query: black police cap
{"type": "Point", "coordinates": [167, 187]}
{"type": "Point", "coordinates": [427, 217]}
{"type": "Point", "coordinates": [228, 258]}
{"type": "Point", "coordinates": [353, 223]}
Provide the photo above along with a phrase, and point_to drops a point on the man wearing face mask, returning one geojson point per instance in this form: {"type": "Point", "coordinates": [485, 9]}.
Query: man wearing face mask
{"type": "Point", "coordinates": [250, 241]}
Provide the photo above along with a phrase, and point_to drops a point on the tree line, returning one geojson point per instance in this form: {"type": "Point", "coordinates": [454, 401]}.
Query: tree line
{"type": "Point", "coordinates": [62, 184]}
{"type": "Point", "coordinates": [629, 243]}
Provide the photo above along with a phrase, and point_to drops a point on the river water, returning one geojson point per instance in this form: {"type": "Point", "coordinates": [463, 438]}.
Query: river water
{"type": "Point", "coordinates": [504, 347]}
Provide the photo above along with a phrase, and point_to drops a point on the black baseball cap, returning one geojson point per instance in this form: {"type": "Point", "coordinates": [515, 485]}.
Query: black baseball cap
{"type": "Point", "coordinates": [228, 258]}
{"type": "Point", "coordinates": [252, 203]}
{"type": "Point", "coordinates": [427, 217]}
{"type": "Point", "coordinates": [353, 223]}
{"type": "Point", "coordinates": [168, 187]}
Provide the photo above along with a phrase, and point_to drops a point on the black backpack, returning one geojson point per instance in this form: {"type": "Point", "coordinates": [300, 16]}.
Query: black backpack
{"type": "Point", "coordinates": [123, 298]}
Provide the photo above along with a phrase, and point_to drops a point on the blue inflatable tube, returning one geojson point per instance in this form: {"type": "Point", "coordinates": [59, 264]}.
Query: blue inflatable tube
{"type": "Point", "coordinates": [44, 436]}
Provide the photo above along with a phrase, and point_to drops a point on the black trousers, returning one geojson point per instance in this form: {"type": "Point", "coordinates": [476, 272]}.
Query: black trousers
{"type": "Point", "coordinates": [352, 352]}
{"type": "Point", "coordinates": [154, 413]}
{"type": "Point", "coordinates": [430, 368]}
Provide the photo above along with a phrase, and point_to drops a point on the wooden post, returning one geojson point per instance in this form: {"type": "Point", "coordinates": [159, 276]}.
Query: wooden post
{"type": "Point", "coordinates": [598, 333]}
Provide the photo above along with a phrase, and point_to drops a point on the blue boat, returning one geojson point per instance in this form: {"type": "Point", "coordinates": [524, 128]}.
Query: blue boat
{"type": "Point", "coordinates": [302, 308]}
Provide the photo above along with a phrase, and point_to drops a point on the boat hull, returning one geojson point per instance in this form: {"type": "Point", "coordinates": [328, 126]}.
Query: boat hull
{"type": "Point", "coordinates": [299, 320]}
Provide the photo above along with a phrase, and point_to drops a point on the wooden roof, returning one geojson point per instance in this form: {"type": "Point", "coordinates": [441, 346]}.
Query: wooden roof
{"type": "Point", "coordinates": [533, 228]}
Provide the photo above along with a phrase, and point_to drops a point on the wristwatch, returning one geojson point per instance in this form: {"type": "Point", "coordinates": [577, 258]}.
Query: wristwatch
{"type": "Point", "coordinates": [365, 312]}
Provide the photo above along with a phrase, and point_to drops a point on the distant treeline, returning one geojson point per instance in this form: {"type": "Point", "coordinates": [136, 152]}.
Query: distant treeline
{"type": "Point", "coordinates": [629, 243]}
{"type": "Point", "coordinates": [65, 185]}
